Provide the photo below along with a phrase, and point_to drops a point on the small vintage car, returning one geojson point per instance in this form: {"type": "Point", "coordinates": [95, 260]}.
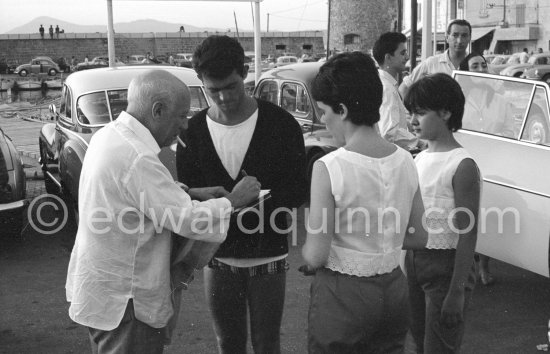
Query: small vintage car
{"type": "Point", "coordinates": [12, 190]}
{"type": "Point", "coordinates": [534, 61]}
{"type": "Point", "coordinates": [506, 128]}
{"type": "Point", "coordinates": [89, 100]}
{"type": "Point", "coordinates": [39, 65]}
{"type": "Point", "coordinates": [97, 62]}
{"type": "Point", "coordinates": [540, 72]}
{"type": "Point", "coordinates": [289, 88]}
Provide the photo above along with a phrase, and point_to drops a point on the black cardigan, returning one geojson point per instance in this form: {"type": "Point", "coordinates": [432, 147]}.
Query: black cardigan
{"type": "Point", "coordinates": [276, 156]}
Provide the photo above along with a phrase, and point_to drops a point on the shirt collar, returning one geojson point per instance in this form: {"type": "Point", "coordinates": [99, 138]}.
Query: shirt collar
{"type": "Point", "coordinates": [387, 76]}
{"type": "Point", "coordinates": [143, 134]}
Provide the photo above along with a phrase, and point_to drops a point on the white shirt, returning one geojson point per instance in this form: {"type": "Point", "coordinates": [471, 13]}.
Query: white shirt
{"type": "Point", "coordinates": [122, 247]}
{"type": "Point", "coordinates": [440, 63]}
{"type": "Point", "coordinates": [373, 199]}
{"type": "Point", "coordinates": [393, 114]}
{"type": "Point", "coordinates": [232, 141]}
{"type": "Point", "coordinates": [435, 173]}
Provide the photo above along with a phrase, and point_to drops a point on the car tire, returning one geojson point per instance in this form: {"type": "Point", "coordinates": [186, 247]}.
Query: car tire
{"type": "Point", "coordinates": [52, 72]}
{"type": "Point", "coordinates": [23, 73]}
{"type": "Point", "coordinates": [537, 130]}
{"type": "Point", "coordinates": [51, 186]}
{"type": "Point", "coordinates": [518, 74]}
{"type": "Point", "coordinates": [546, 79]}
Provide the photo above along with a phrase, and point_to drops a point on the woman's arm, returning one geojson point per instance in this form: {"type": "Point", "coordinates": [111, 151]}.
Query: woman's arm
{"type": "Point", "coordinates": [320, 224]}
{"type": "Point", "coordinates": [416, 236]}
{"type": "Point", "coordinates": [467, 190]}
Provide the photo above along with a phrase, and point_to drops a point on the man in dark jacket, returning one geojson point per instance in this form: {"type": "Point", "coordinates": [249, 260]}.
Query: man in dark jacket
{"type": "Point", "coordinates": [240, 135]}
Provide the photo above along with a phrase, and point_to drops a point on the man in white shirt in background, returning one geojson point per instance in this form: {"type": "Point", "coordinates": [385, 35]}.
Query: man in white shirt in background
{"type": "Point", "coordinates": [459, 34]}
{"type": "Point", "coordinates": [391, 54]}
{"type": "Point", "coordinates": [524, 56]}
{"type": "Point", "coordinates": [118, 279]}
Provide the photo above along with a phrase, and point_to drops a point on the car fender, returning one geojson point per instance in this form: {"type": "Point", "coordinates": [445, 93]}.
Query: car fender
{"type": "Point", "coordinates": [71, 157]}
{"type": "Point", "coordinates": [47, 136]}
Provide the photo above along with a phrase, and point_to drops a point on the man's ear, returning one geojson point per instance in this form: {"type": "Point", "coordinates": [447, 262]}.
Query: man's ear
{"type": "Point", "coordinates": [157, 109]}
{"type": "Point", "coordinates": [342, 111]}
{"type": "Point", "coordinates": [245, 71]}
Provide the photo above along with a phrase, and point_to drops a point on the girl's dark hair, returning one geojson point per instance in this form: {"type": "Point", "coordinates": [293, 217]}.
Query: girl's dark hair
{"type": "Point", "coordinates": [437, 92]}
{"type": "Point", "coordinates": [464, 63]}
{"type": "Point", "coordinates": [350, 79]}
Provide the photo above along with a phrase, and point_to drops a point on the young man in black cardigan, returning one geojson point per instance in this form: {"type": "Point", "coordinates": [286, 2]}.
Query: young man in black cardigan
{"type": "Point", "coordinates": [240, 135]}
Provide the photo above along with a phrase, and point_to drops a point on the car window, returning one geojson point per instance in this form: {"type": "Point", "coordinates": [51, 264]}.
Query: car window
{"type": "Point", "coordinates": [65, 104]}
{"type": "Point", "coordinates": [268, 91]}
{"type": "Point", "coordinates": [118, 101]}
{"type": "Point", "coordinates": [494, 106]}
{"type": "Point", "coordinates": [92, 109]}
{"type": "Point", "coordinates": [537, 125]}
{"type": "Point", "coordinates": [198, 101]}
{"type": "Point", "coordinates": [68, 109]}
{"type": "Point", "coordinates": [295, 100]}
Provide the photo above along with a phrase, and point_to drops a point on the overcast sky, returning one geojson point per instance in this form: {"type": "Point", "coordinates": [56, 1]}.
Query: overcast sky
{"type": "Point", "coordinates": [284, 15]}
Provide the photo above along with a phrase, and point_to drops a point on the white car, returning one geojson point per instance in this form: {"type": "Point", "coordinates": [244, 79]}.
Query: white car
{"type": "Point", "coordinates": [506, 128]}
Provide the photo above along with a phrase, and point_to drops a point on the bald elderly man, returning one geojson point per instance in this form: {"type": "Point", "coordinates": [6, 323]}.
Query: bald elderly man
{"type": "Point", "coordinates": [118, 281]}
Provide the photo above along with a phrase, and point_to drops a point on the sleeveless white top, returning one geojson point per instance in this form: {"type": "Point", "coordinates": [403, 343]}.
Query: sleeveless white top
{"type": "Point", "coordinates": [373, 199]}
{"type": "Point", "coordinates": [436, 171]}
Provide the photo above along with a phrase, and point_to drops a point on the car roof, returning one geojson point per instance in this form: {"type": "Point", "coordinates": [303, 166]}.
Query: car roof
{"type": "Point", "coordinates": [118, 77]}
{"type": "Point", "coordinates": [303, 72]}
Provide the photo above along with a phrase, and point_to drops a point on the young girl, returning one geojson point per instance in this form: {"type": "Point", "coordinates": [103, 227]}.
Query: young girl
{"type": "Point", "coordinates": [363, 195]}
{"type": "Point", "coordinates": [441, 277]}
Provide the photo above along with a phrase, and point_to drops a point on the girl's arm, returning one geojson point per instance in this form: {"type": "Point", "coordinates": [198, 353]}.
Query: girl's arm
{"type": "Point", "coordinates": [416, 236]}
{"type": "Point", "coordinates": [320, 224]}
{"type": "Point", "coordinates": [466, 186]}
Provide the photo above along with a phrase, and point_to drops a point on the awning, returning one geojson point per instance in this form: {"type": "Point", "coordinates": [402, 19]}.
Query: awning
{"type": "Point", "coordinates": [478, 32]}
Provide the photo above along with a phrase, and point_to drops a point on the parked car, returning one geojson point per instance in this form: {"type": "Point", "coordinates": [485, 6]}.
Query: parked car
{"type": "Point", "coordinates": [290, 88]}
{"type": "Point", "coordinates": [97, 62]}
{"type": "Point", "coordinates": [540, 72]}
{"type": "Point", "coordinates": [136, 59]}
{"type": "Point", "coordinates": [517, 70]}
{"type": "Point", "coordinates": [38, 65]}
{"type": "Point", "coordinates": [12, 194]}
{"type": "Point", "coordinates": [506, 130]}
{"type": "Point", "coordinates": [508, 60]}
{"type": "Point", "coordinates": [184, 60]}
{"type": "Point", "coordinates": [89, 100]}
{"type": "Point", "coordinates": [285, 60]}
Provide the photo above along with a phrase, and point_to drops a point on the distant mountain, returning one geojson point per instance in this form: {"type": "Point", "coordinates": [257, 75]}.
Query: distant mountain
{"type": "Point", "coordinates": [123, 27]}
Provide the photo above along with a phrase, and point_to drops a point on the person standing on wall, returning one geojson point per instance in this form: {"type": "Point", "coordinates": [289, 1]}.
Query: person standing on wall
{"type": "Point", "coordinates": [41, 30]}
{"type": "Point", "coordinates": [236, 136]}
{"type": "Point", "coordinates": [51, 31]}
{"type": "Point", "coordinates": [57, 31]}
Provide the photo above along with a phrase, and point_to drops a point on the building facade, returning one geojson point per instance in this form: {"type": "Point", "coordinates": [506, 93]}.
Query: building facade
{"type": "Point", "coordinates": [356, 24]}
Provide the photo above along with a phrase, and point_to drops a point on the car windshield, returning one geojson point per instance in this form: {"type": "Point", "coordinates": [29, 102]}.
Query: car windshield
{"type": "Point", "coordinates": [498, 60]}
{"type": "Point", "coordinates": [98, 107]}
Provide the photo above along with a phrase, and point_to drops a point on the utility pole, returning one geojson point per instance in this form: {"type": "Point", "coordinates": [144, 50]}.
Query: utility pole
{"type": "Point", "coordinates": [328, 30]}
{"type": "Point", "coordinates": [236, 26]}
{"type": "Point", "coordinates": [414, 20]}
{"type": "Point", "coordinates": [268, 22]}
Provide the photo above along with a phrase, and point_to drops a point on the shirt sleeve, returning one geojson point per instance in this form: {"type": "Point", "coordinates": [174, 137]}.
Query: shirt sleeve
{"type": "Point", "coordinates": [151, 187]}
{"type": "Point", "coordinates": [389, 115]}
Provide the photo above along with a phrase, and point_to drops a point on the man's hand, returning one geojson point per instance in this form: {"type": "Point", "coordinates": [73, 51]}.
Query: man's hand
{"type": "Point", "coordinates": [207, 193]}
{"type": "Point", "coordinates": [246, 191]}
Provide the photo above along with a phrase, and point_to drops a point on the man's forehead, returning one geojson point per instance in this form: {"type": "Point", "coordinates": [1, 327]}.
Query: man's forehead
{"type": "Point", "coordinates": [459, 29]}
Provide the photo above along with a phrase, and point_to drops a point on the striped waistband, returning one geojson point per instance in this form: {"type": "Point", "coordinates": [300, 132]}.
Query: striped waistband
{"type": "Point", "coordinates": [276, 267]}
